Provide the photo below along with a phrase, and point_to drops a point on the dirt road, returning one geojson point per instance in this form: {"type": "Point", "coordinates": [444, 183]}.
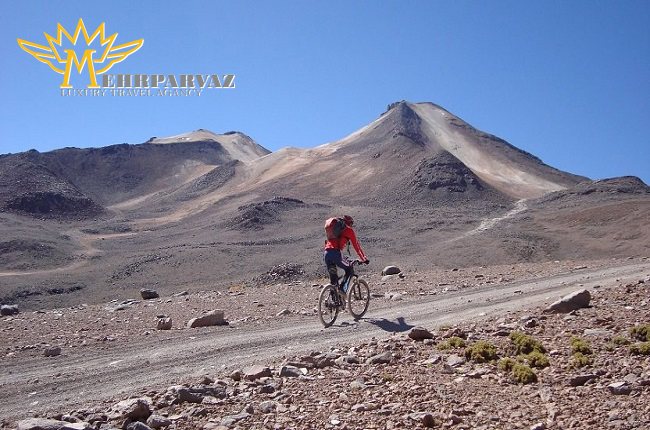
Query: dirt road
{"type": "Point", "coordinates": [89, 376]}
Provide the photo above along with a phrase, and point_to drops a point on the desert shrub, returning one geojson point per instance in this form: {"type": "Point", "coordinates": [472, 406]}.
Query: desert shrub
{"type": "Point", "coordinates": [536, 359]}
{"type": "Point", "coordinates": [581, 360]}
{"type": "Point", "coordinates": [481, 352]}
{"type": "Point", "coordinates": [445, 327]}
{"type": "Point", "coordinates": [506, 364]}
{"type": "Point", "coordinates": [523, 374]}
{"type": "Point", "coordinates": [235, 288]}
{"type": "Point", "coordinates": [452, 342]}
{"type": "Point", "coordinates": [386, 376]}
{"type": "Point", "coordinates": [620, 340]}
{"type": "Point", "coordinates": [580, 346]}
{"type": "Point", "coordinates": [525, 344]}
{"type": "Point", "coordinates": [641, 332]}
{"type": "Point", "coordinates": [641, 349]}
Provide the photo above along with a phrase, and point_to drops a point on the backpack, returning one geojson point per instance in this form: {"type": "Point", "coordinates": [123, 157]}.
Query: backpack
{"type": "Point", "coordinates": [334, 227]}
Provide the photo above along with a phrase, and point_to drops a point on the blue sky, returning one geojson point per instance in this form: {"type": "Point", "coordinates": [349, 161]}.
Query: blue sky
{"type": "Point", "coordinates": [568, 81]}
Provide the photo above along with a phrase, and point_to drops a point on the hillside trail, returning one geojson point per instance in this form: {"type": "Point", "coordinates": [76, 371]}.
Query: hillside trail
{"type": "Point", "coordinates": [88, 376]}
{"type": "Point", "coordinates": [489, 223]}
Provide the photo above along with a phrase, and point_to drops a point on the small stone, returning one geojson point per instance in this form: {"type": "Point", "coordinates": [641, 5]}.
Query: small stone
{"type": "Point", "coordinates": [231, 420]}
{"type": "Point", "coordinates": [619, 388]}
{"type": "Point", "coordinates": [137, 425]}
{"type": "Point", "coordinates": [359, 384]}
{"type": "Point", "coordinates": [455, 360]}
{"type": "Point", "coordinates": [382, 358]}
{"type": "Point", "coordinates": [164, 324]}
{"type": "Point", "coordinates": [52, 351]}
{"type": "Point", "coordinates": [283, 312]}
{"type": "Point", "coordinates": [158, 421]}
{"type": "Point", "coordinates": [268, 406]}
{"type": "Point", "coordinates": [290, 372]}
{"type": "Point", "coordinates": [579, 380]}
{"type": "Point", "coordinates": [236, 375]}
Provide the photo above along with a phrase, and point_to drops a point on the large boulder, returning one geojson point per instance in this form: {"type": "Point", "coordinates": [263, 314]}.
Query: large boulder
{"type": "Point", "coordinates": [8, 310]}
{"type": "Point", "coordinates": [571, 302]}
{"type": "Point", "coordinates": [211, 318]}
{"type": "Point", "coordinates": [148, 294]}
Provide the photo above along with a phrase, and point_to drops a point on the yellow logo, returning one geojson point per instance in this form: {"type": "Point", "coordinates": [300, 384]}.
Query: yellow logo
{"type": "Point", "coordinates": [110, 56]}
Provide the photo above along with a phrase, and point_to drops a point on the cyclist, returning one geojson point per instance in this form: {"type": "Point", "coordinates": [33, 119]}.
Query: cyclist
{"type": "Point", "coordinates": [333, 256]}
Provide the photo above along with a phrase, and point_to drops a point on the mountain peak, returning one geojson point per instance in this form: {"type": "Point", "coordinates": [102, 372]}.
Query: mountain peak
{"type": "Point", "coordinates": [240, 146]}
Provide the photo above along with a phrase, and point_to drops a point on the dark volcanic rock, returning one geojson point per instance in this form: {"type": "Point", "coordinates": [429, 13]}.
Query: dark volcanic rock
{"type": "Point", "coordinates": [256, 216]}
{"type": "Point", "coordinates": [445, 172]}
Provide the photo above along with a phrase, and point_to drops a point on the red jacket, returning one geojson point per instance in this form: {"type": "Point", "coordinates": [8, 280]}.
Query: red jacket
{"type": "Point", "coordinates": [347, 234]}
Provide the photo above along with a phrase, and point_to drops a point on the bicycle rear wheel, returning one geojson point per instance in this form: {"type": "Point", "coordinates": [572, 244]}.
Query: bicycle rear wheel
{"type": "Point", "coordinates": [327, 305]}
{"type": "Point", "coordinates": [358, 298]}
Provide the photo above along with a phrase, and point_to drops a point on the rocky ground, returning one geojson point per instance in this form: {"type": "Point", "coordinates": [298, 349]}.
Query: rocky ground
{"type": "Point", "coordinates": [470, 375]}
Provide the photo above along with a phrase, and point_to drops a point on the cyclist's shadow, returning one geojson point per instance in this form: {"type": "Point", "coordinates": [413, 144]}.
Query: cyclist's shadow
{"type": "Point", "coordinates": [396, 326]}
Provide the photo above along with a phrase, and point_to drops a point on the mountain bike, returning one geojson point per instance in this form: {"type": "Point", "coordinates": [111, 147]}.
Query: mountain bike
{"type": "Point", "coordinates": [355, 295]}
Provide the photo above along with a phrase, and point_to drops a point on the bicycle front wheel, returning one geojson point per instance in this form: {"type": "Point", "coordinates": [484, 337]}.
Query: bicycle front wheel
{"type": "Point", "coordinates": [358, 298]}
{"type": "Point", "coordinates": [327, 305]}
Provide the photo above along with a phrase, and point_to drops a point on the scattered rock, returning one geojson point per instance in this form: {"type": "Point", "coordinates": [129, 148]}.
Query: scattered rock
{"type": "Point", "coordinates": [137, 425]}
{"type": "Point", "coordinates": [579, 380]}
{"type": "Point", "coordinates": [231, 420]}
{"type": "Point", "coordinates": [455, 360]}
{"type": "Point", "coordinates": [268, 406]}
{"type": "Point", "coordinates": [211, 318]}
{"type": "Point", "coordinates": [157, 422]}
{"type": "Point", "coordinates": [40, 424]}
{"type": "Point", "coordinates": [290, 372]}
{"type": "Point", "coordinates": [164, 323]}
{"type": "Point", "coordinates": [182, 394]}
{"type": "Point", "coordinates": [420, 333]}
{"type": "Point", "coordinates": [383, 358]}
{"type": "Point", "coordinates": [390, 270]}
{"type": "Point", "coordinates": [52, 351]}
{"type": "Point", "coordinates": [135, 409]}
{"type": "Point", "coordinates": [256, 372]}
{"type": "Point", "coordinates": [347, 359]}
{"type": "Point", "coordinates": [620, 388]}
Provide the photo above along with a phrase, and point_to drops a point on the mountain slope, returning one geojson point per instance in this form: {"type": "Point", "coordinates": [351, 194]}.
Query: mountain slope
{"type": "Point", "coordinates": [71, 178]}
{"type": "Point", "coordinates": [201, 211]}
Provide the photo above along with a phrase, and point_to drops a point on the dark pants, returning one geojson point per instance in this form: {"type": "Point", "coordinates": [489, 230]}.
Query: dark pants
{"type": "Point", "coordinates": [334, 260]}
